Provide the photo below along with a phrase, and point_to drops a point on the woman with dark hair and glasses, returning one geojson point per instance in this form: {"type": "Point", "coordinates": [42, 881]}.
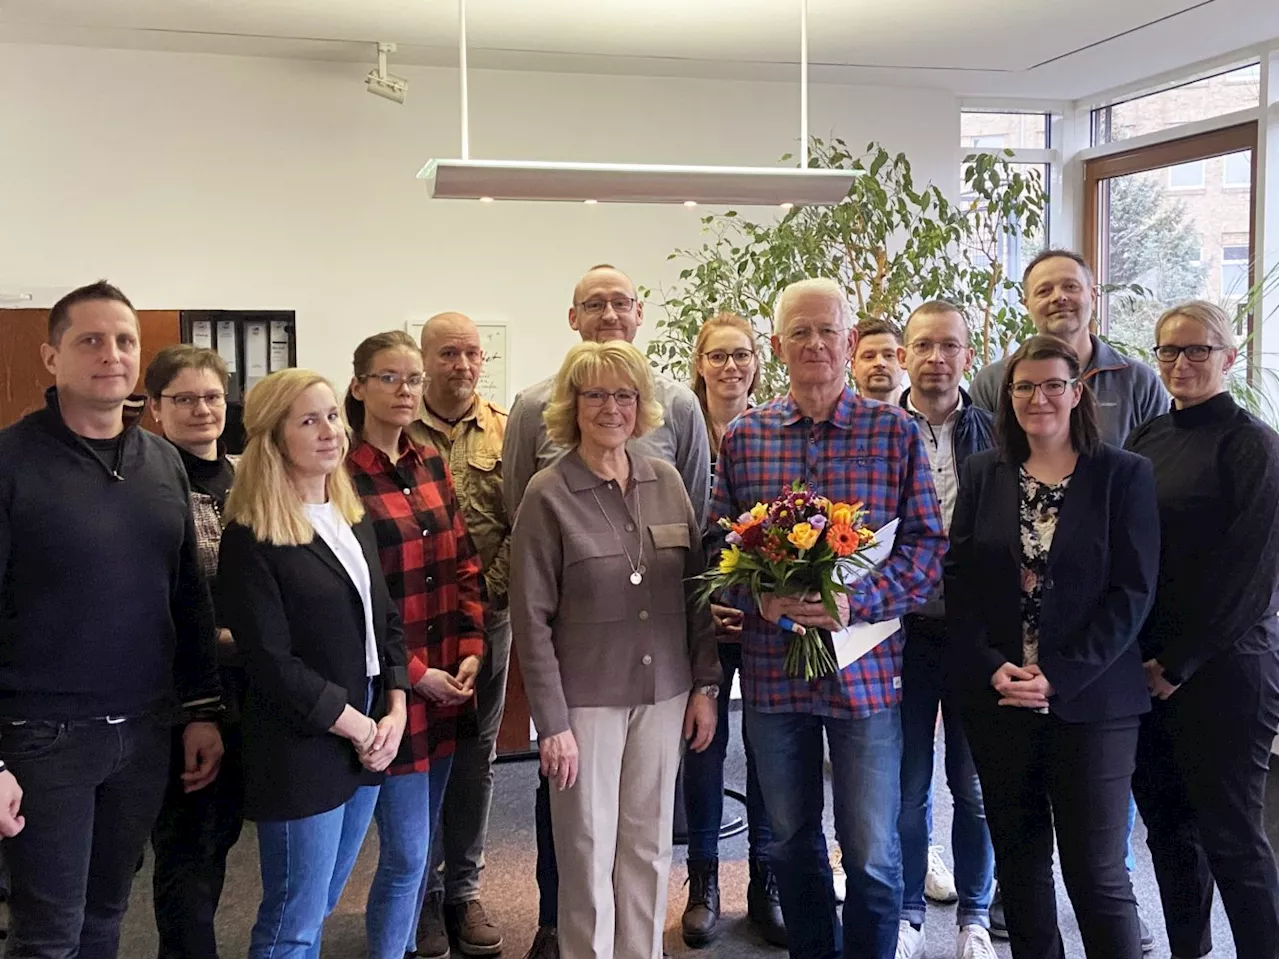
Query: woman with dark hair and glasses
{"type": "Point", "coordinates": [1051, 572]}
{"type": "Point", "coordinates": [1210, 644]}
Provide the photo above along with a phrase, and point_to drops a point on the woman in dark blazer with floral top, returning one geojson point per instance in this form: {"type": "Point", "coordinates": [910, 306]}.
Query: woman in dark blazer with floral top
{"type": "Point", "coordinates": [308, 605]}
{"type": "Point", "coordinates": [1051, 571]}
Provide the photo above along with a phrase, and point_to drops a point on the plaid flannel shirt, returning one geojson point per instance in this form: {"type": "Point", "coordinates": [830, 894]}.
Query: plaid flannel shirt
{"type": "Point", "coordinates": [866, 451]}
{"type": "Point", "coordinates": [433, 573]}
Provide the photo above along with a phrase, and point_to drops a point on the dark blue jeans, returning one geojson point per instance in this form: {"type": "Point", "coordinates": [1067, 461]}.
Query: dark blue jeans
{"type": "Point", "coordinates": [91, 792]}
{"type": "Point", "coordinates": [866, 764]}
{"type": "Point", "coordinates": [704, 781]}
{"type": "Point", "coordinates": [546, 871]}
{"type": "Point", "coordinates": [970, 842]}
{"type": "Point", "coordinates": [192, 838]}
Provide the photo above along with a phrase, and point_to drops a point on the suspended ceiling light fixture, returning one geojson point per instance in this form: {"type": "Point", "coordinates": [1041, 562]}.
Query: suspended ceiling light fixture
{"type": "Point", "coordinates": [591, 183]}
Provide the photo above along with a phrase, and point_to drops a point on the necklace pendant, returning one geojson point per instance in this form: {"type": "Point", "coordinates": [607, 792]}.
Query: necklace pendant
{"type": "Point", "coordinates": [637, 577]}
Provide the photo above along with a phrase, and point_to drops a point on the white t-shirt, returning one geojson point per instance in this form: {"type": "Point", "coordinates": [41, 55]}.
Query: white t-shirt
{"type": "Point", "coordinates": [336, 533]}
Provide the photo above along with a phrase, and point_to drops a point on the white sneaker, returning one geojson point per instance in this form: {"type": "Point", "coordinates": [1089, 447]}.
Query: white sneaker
{"type": "Point", "coordinates": [974, 943]}
{"type": "Point", "coordinates": [939, 884]}
{"type": "Point", "coordinates": [910, 941]}
{"type": "Point", "coordinates": [838, 878]}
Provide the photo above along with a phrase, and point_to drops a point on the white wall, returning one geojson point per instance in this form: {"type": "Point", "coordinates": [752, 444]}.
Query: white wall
{"type": "Point", "coordinates": [198, 181]}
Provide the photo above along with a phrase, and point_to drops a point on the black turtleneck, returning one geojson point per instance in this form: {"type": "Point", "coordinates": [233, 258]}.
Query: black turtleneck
{"type": "Point", "coordinates": [211, 477]}
{"type": "Point", "coordinates": [1218, 487]}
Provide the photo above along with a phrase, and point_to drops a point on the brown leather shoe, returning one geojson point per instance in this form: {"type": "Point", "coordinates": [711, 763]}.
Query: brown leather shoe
{"type": "Point", "coordinates": [433, 938]}
{"type": "Point", "coordinates": [546, 944]}
{"type": "Point", "coordinates": [471, 929]}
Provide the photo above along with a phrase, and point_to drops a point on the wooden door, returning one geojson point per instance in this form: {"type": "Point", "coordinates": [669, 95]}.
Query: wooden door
{"type": "Point", "coordinates": [23, 378]}
{"type": "Point", "coordinates": [513, 734]}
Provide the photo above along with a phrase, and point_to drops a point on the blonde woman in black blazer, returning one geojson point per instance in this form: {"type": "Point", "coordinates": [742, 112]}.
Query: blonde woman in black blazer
{"type": "Point", "coordinates": [307, 603]}
{"type": "Point", "coordinates": [1055, 547]}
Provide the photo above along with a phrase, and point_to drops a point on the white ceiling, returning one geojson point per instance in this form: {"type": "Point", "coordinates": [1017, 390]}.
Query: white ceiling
{"type": "Point", "coordinates": [1034, 48]}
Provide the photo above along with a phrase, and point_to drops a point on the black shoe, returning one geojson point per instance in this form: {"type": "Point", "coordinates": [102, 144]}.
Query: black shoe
{"type": "Point", "coordinates": [701, 920]}
{"type": "Point", "coordinates": [998, 929]}
{"type": "Point", "coordinates": [1148, 940]}
{"type": "Point", "coordinates": [763, 907]}
{"type": "Point", "coordinates": [546, 944]}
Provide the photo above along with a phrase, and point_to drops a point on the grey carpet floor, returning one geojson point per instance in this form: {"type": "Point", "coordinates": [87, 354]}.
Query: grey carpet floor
{"type": "Point", "coordinates": [510, 892]}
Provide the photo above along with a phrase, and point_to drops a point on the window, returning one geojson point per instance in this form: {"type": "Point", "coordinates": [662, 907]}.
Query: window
{"type": "Point", "coordinates": [1235, 271]}
{"type": "Point", "coordinates": [1187, 176]}
{"type": "Point", "coordinates": [1237, 170]}
{"type": "Point", "coordinates": [1012, 130]}
{"type": "Point", "coordinates": [1203, 98]}
{"type": "Point", "coordinates": [1013, 250]}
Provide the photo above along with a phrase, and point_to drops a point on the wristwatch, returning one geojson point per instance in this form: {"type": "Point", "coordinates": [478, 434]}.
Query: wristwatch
{"type": "Point", "coordinates": [711, 691]}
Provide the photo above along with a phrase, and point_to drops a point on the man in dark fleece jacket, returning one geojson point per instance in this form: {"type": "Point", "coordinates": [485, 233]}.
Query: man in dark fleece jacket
{"type": "Point", "coordinates": [106, 632]}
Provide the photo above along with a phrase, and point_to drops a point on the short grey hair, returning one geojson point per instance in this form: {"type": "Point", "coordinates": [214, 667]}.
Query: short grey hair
{"type": "Point", "coordinates": [1215, 320]}
{"type": "Point", "coordinates": [819, 286]}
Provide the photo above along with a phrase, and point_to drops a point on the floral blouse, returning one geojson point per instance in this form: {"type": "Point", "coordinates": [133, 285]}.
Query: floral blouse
{"type": "Point", "coordinates": [1038, 508]}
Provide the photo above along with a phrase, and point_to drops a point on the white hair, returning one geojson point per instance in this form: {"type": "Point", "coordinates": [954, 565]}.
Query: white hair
{"type": "Point", "coordinates": [820, 286]}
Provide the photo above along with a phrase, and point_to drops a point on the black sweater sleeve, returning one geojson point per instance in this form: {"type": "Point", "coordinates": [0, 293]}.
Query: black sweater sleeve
{"type": "Point", "coordinates": [1239, 562]}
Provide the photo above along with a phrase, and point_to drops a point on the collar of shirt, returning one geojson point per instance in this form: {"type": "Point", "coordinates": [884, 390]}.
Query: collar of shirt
{"type": "Point", "coordinates": [579, 476]}
{"type": "Point", "coordinates": [951, 417]}
{"type": "Point", "coordinates": [372, 460]}
{"type": "Point", "coordinates": [841, 415]}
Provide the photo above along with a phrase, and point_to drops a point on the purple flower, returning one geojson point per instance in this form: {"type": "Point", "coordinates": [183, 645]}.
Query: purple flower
{"type": "Point", "coordinates": [818, 521]}
{"type": "Point", "coordinates": [745, 518]}
{"type": "Point", "coordinates": [733, 539]}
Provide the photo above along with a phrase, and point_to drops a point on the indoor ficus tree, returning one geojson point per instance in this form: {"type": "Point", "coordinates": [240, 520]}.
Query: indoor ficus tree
{"type": "Point", "coordinates": [889, 243]}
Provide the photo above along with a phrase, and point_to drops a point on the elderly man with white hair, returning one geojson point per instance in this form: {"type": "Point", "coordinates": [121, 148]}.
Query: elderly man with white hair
{"type": "Point", "coordinates": [849, 450]}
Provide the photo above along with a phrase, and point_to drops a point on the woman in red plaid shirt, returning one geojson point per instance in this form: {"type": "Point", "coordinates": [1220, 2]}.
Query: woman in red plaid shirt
{"type": "Point", "coordinates": [434, 574]}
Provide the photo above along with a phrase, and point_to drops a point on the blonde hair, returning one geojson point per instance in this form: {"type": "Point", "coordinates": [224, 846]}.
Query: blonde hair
{"type": "Point", "coordinates": [1215, 320]}
{"type": "Point", "coordinates": [829, 289]}
{"type": "Point", "coordinates": [726, 320]}
{"type": "Point", "coordinates": [585, 364]}
{"type": "Point", "coordinates": [263, 497]}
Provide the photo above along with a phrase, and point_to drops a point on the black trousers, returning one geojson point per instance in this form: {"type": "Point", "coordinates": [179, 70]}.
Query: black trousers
{"type": "Point", "coordinates": [1200, 785]}
{"type": "Point", "coordinates": [91, 790]}
{"type": "Point", "coordinates": [192, 838]}
{"type": "Point", "coordinates": [1039, 774]}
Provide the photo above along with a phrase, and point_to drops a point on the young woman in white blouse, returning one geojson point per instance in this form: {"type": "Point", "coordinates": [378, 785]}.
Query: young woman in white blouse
{"type": "Point", "coordinates": [325, 705]}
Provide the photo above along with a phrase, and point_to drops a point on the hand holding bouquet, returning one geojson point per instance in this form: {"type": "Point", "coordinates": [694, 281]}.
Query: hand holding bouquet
{"type": "Point", "coordinates": [795, 545]}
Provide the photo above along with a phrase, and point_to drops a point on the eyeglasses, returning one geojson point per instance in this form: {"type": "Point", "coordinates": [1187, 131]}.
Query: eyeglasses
{"type": "Point", "coordinates": [718, 358]}
{"type": "Point", "coordinates": [596, 307]}
{"type": "Point", "coordinates": [1024, 390]}
{"type": "Point", "coordinates": [948, 348]}
{"type": "Point", "coordinates": [392, 381]}
{"type": "Point", "coordinates": [600, 397]}
{"type": "Point", "coordinates": [1196, 353]}
{"type": "Point", "coordinates": [188, 401]}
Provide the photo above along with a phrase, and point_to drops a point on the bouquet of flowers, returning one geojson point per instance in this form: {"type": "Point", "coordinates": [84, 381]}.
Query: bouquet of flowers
{"type": "Point", "coordinates": [794, 545]}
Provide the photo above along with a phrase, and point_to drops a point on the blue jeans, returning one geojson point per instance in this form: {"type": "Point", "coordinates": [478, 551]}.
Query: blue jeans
{"type": "Point", "coordinates": [305, 863]}
{"type": "Point", "coordinates": [403, 815]}
{"type": "Point", "coordinates": [91, 791]}
{"type": "Point", "coordinates": [439, 782]}
{"type": "Point", "coordinates": [547, 870]}
{"type": "Point", "coordinates": [704, 781]}
{"type": "Point", "coordinates": [866, 764]}
{"type": "Point", "coordinates": [970, 842]}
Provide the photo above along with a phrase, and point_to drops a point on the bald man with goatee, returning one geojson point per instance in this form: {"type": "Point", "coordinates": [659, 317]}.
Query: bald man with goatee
{"type": "Point", "coordinates": [468, 431]}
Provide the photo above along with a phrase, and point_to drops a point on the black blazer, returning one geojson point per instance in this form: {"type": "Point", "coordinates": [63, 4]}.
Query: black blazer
{"type": "Point", "coordinates": [1099, 587]}
{"type": "Point", "coordinates": [299, 621]}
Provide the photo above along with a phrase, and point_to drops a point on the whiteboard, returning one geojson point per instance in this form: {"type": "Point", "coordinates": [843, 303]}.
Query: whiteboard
{"type": "Point", "coordinates": [493, 341]}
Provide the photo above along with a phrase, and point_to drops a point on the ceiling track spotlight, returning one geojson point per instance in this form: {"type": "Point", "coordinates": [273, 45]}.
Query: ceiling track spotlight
{"type": "Point", "coordinates": [383, 84]}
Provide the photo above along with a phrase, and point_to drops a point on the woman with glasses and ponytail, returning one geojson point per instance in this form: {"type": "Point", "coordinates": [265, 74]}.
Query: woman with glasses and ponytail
{"type": "Point", "coordinates": [434, 574]}
{"type": "Point", "coordinates": [1050, 574]}
{"type": "Point", "coordinates": [1209, 648]}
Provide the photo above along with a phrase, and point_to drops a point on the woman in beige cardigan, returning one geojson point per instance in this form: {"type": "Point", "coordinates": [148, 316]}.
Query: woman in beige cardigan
{"type": "Point", "coordinates": [619, 661]}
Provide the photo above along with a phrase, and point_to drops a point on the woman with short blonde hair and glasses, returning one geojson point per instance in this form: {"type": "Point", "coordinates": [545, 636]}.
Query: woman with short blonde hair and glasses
{"type": "Point", "coordinates": [618, 657]}
{"type": "Point", "coordinates": [726, 372]}
{"type": "Point", "coordinates": [1210, 645]}
{"type": "Point", "coordinates": [308, 605]}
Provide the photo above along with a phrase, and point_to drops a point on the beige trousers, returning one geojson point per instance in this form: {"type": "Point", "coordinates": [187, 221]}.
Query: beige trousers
{"type": "Point", "coordinates": [613, 830]}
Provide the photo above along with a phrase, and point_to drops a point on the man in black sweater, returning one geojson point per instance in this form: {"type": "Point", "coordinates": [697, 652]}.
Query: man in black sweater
{"type": "Point", "coordinates": [106, 630]}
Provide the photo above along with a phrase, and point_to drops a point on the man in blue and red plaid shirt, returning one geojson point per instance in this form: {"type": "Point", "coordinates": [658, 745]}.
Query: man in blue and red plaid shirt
{"type": "Point", "coordinates": [848, 449]}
